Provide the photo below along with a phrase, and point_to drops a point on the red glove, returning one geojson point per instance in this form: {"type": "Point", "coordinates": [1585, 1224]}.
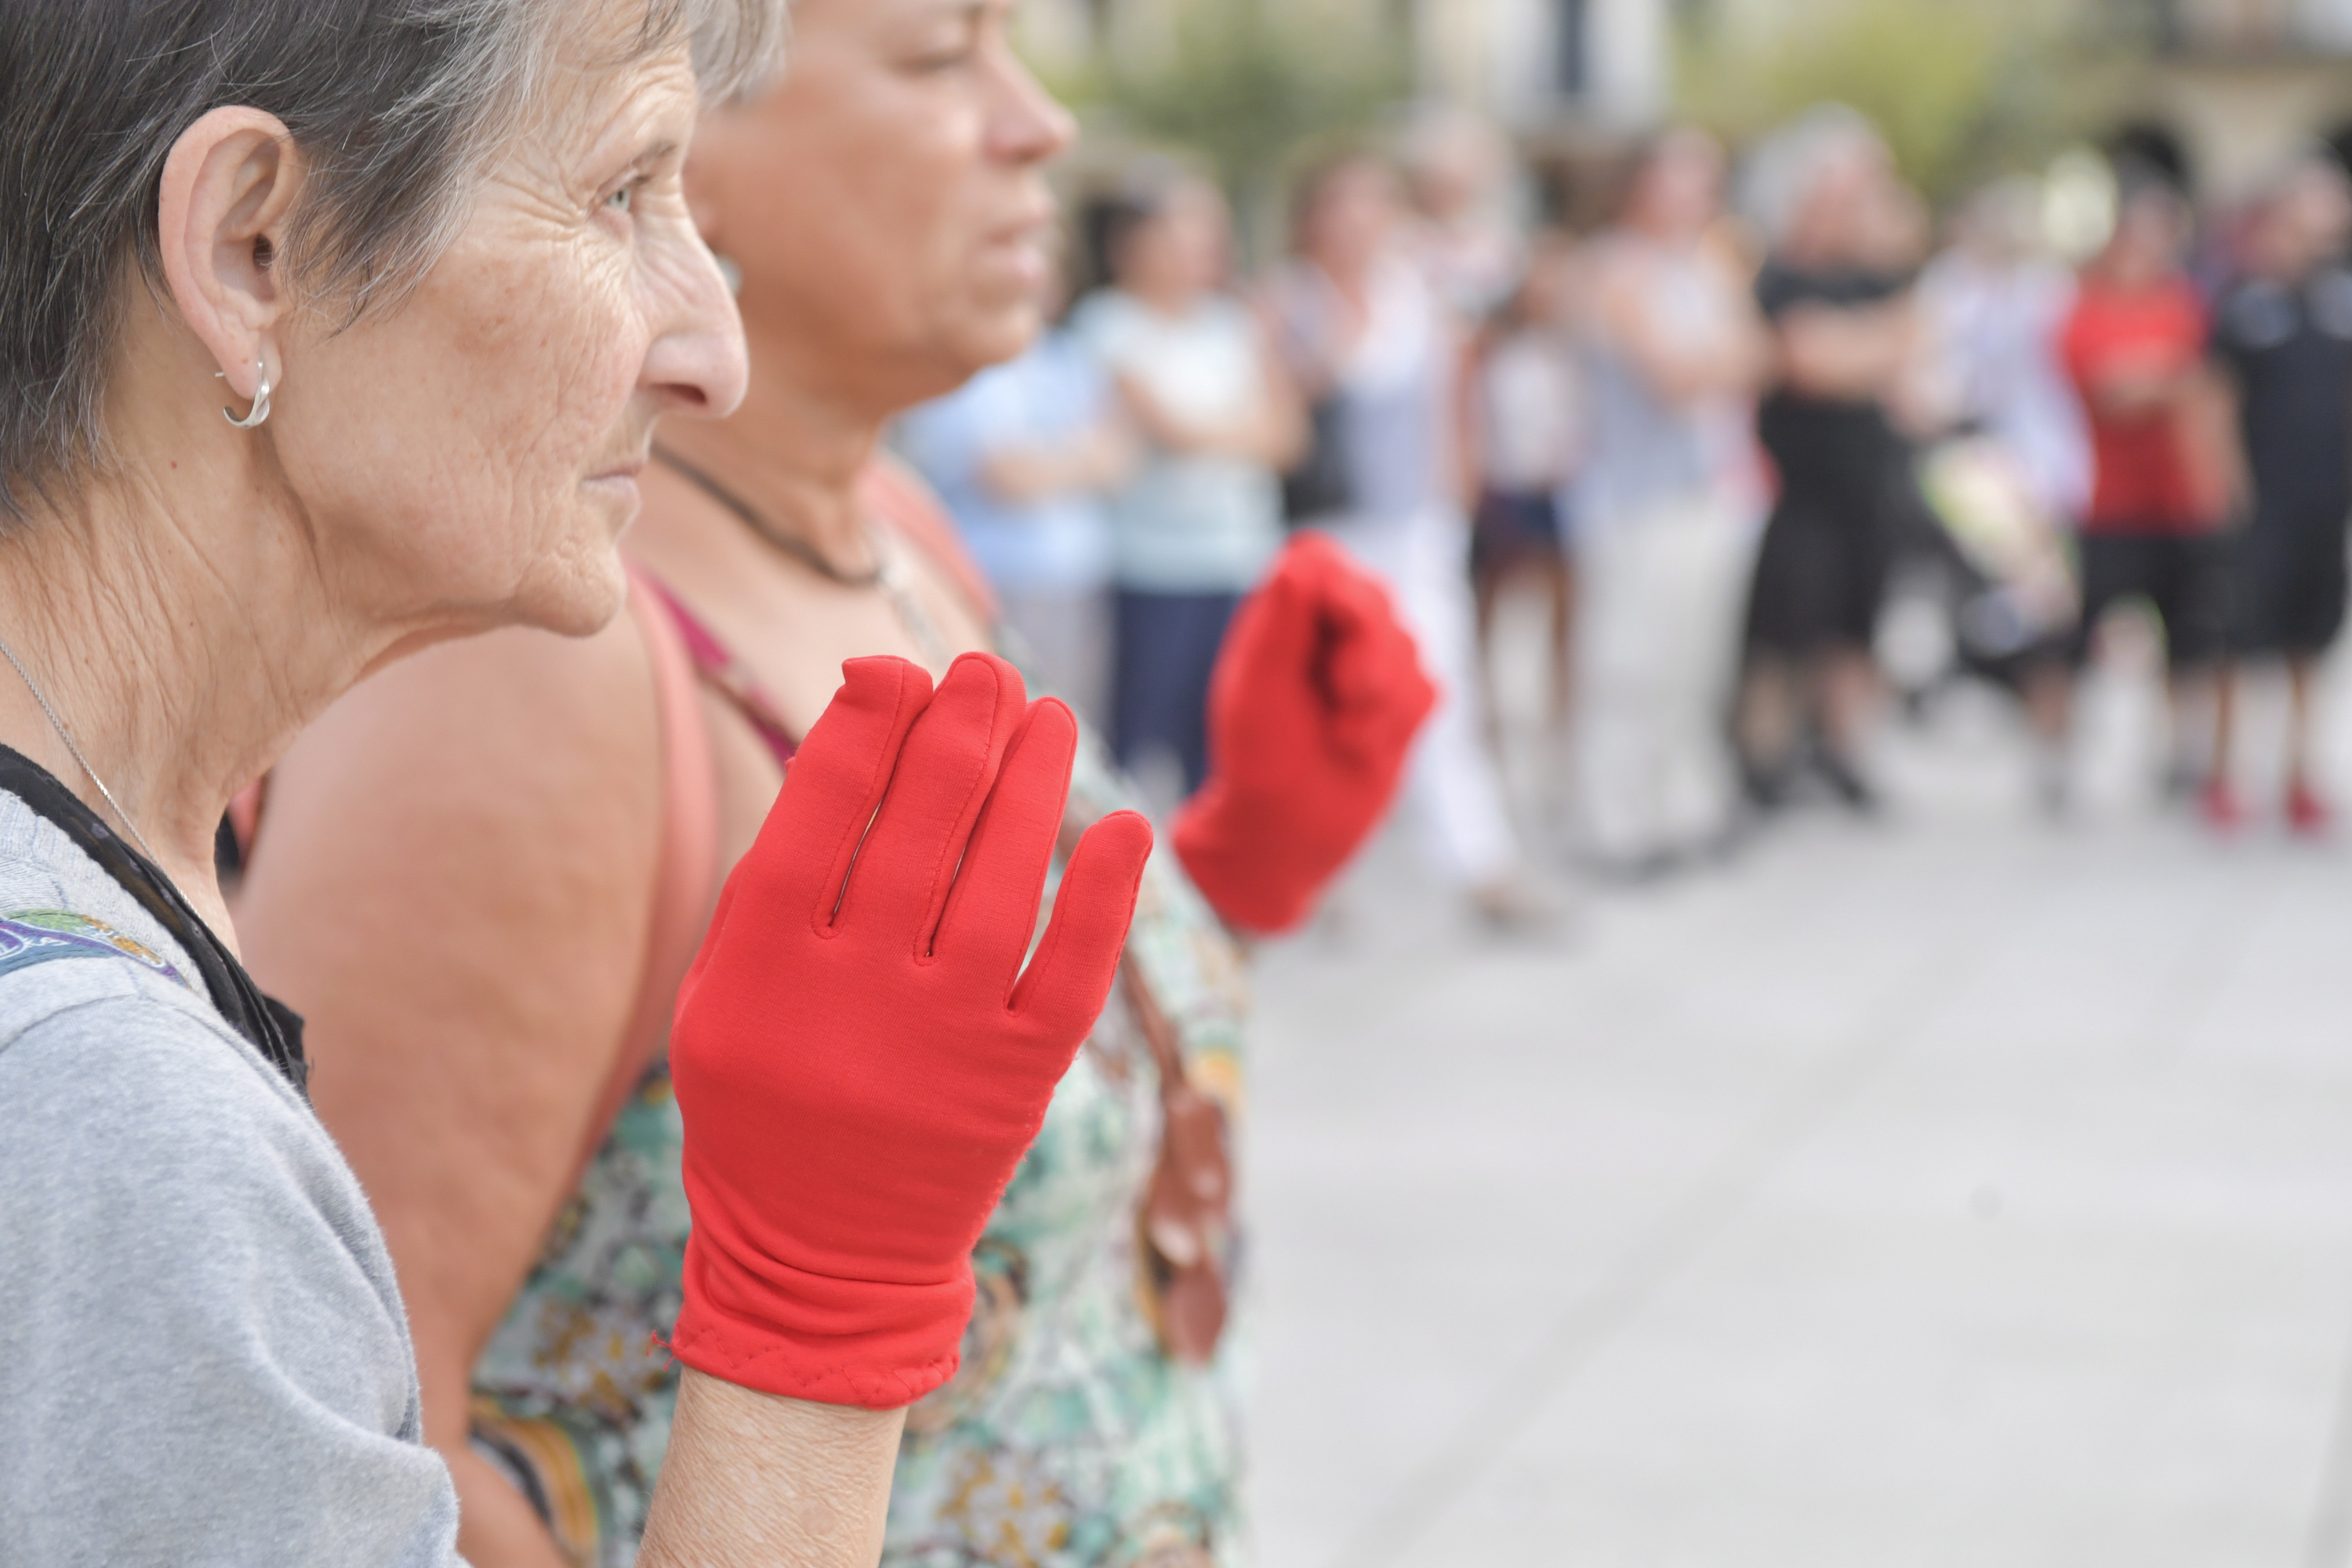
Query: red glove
{"type": "Point", "coordinates": [1318, 694]}
{"type": "Point", "coordinates": [860, 1060]}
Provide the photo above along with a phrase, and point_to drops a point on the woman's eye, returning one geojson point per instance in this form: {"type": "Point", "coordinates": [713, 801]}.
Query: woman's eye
{"type": "Point", "coordinates": [623, 199]}
{"type": "Point", "coordinates": [944, 56]}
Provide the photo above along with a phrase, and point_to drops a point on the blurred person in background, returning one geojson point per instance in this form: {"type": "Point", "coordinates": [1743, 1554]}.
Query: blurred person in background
{"type": "Point", "coordinates": [2135, 345]}
{"type": "Point", "coordinates": [1673, 352]}
{"type": "Point", "coordinates": [1994, 304]}
{"type": "Point", "coordinates": [2283, 337]}
{"type": "Point", "coordinates": [1529, 413]}
{"type": "Point", "coordinates": [1199, 518]}
{"type": "Point", "coordinates": [1023, 456]}
{"type": "Point", "coordinates": [2010, 464]}
{"type": "Point", "coordinates": [1458, 173]}
{"type": "Point", "coordinates": [1836, 291]}
{"type": "Point", "coordinates": [1378, 356]}
{"type": "Point", "coordinates": [549, 822]}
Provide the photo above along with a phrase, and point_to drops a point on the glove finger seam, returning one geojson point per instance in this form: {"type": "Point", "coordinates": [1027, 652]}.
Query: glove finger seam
{"type": "Point", "coordinates": [826, 919]}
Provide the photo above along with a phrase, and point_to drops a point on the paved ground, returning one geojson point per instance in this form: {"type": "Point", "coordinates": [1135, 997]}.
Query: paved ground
{"type": "Point", "coordinates": [1962, 1190]}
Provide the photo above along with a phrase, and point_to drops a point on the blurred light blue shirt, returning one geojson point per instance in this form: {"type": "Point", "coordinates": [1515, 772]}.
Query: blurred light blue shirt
{"type": "Point", "coordinates": [1055, 392]}
{"type": "Point", "coordinates": [1188, 525]}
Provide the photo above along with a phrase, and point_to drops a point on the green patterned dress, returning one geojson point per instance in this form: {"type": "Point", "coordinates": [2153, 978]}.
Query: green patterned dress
{"type": "Point", "coordinates": [1067, 1440]}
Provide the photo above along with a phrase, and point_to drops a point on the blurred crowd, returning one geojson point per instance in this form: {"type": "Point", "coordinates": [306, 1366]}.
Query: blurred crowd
{"type": "Point", "coordinates": [1775, 451]}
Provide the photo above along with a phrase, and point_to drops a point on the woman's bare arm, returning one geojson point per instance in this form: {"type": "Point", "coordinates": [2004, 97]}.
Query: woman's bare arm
{"type": "Point", "coordinates": [752, 1480]}
{"type": "Point", "coordinates": [1847, 352]}
{"type": "Point", "coordinates": [1259, 433]}
{"type": "Point", "coordinates": [453, 883]}
{"type": "Point", "coordinates": [1097, 459]}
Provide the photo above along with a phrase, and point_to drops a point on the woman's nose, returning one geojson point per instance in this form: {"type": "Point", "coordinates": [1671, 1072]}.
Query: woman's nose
{"type": "Point", "coordinates": [1028, 124]}
{"type": "Point", "coordinates": [698, 366]}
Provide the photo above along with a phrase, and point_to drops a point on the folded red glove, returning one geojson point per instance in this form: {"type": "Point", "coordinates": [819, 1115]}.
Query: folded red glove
{"type": "Point", "coordinates": [860, 1060]}
{"type": "Point", "coordinates": [1318, 694]}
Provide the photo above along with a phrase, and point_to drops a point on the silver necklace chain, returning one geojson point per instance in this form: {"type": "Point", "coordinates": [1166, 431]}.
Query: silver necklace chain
{"type": "Point", "coordinates": [59, 726]}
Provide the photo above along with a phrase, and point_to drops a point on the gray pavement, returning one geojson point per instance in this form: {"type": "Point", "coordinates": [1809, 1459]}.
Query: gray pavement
{"type": "Point", "coordinates": [1962, 1189]}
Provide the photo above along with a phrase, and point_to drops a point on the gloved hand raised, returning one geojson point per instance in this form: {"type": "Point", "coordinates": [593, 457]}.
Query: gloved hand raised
{"type": "Point", "coordinates": [860, 1058]}
{"type": "Point", "coordinates": [1315, 699]}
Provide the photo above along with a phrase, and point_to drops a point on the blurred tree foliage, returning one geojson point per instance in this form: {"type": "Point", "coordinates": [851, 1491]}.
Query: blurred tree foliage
{"type": "Point", "coordinates": [1245, 83]}
{"type": "Point", "coordinates": [1962, 88]}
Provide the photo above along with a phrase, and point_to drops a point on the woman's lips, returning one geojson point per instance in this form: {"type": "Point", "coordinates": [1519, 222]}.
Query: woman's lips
{"type": "Point", "coordinates": [1028, 262]}
{"type": "Point", "coordinates": [1026, 250]}
{"type": "Point", "coordinates": [619, 483]}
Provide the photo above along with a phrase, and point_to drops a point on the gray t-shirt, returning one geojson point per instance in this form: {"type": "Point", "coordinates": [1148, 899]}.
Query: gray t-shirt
{"type": "Point", "coordinates": [203, 1354]}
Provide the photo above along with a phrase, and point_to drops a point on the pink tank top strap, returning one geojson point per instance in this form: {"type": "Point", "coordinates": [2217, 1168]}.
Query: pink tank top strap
{"type": "Point", "coordinates": [716, 664]}
{"type": "Point", "coordinates": [687, 875]}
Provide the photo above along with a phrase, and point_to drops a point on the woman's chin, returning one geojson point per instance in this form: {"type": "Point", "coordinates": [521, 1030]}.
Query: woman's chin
{"type": "Point", "coordinates": [578, 594]}
{"type": "Point", "coordinates": [985, 338]}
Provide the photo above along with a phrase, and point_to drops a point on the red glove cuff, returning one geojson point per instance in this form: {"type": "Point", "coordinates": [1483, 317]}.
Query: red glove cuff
{"type": "Point", "coordinates": [786, 1331]}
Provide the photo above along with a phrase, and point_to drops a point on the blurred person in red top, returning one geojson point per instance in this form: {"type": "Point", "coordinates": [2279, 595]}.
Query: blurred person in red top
{"type": "Point", "coordinates": [2135, 347]}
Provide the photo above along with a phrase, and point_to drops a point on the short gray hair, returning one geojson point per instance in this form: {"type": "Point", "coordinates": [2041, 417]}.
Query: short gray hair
{"type": "Point", "coordinates": [397, 105]}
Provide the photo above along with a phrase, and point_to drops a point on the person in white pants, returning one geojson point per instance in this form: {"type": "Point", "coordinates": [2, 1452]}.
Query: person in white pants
{"type": "Point", "coordinates": [1667, 502]}
{"type": "Point", "coordinates": [1373, 346]}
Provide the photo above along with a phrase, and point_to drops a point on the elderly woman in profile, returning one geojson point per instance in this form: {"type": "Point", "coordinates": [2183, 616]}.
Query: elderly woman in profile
{"type": "Point", "coordinates": [435, 256]}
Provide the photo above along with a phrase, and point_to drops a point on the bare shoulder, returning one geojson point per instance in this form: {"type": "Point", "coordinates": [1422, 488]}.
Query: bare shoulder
{"type": "Point", "coordinates": [467, 837]}
{"type": "Point", "coordinates": [510, 728]}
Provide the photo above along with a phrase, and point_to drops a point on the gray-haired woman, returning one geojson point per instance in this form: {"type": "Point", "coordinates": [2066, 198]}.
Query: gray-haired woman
{"type": "Point", "coordinates": [434, 258]}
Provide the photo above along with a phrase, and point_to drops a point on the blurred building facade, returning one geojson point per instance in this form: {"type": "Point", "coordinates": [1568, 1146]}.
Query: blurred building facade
{"type": "Point", "coordinates": [2221, 91]}
{"type": "Point", "coordinates": [1528, 63]}
{"type": "Point", "coordinates": [2238, 85]}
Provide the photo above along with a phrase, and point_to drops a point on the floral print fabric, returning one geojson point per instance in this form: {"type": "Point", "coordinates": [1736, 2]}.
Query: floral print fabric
{"type": "Point", "coordinates": [1066, 1440]}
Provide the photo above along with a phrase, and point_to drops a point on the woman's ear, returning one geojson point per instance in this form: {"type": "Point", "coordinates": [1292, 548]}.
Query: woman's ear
{"type": "Point", "coordinates": [228, 187]}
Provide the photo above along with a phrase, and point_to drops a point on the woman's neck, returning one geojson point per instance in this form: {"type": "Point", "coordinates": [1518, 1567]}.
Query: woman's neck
{"type": "Point", "coordinates": [181, 642]}
{"type": "Point", "coordinates": [793, 455]}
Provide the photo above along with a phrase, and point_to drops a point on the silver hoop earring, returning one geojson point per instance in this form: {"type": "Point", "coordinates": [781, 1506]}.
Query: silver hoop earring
{"type": "Point", "coordinates": [256, 416]}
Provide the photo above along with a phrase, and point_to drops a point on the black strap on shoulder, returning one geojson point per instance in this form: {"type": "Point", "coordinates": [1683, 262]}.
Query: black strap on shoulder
{"type": "Point", "coordinates": [273, 1028]}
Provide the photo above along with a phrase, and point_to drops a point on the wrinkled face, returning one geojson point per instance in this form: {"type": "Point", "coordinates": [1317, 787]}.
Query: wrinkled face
{"type": "Point", "coordinates": [886, 200]}
{"type": "Point", "coordinates": [1182, 250]}
{"type": "Point", "coordinates": [470, 455]}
